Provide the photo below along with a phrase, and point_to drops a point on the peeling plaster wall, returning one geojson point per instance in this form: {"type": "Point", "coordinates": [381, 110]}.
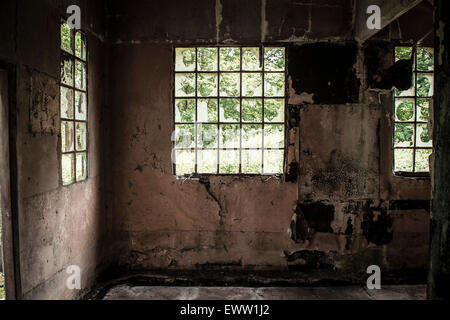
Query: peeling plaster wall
{"type": "Point", "coordinates": [58, 226]}
{"type": "Point", "coordinates": [334, 209]}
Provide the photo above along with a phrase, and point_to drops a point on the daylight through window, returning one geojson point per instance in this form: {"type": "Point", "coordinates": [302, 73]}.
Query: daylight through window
{"type": "Point", "coordinates": [412, 143]}
{"type": "Point", "coordinates": [73, 105]}
{"type": "Point", "coordinates": [229, 110]}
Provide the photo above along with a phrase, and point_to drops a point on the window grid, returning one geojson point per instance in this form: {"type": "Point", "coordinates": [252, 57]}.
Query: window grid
{"type": "Point", "coordinates": [82, 90]}
{"type": "Point", "coordinates": [415, 122]}
{"type": "Point", "coordinates": [218, 97]}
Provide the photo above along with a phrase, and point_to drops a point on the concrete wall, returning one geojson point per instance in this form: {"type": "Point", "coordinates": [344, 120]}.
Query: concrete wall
{"type": "Point", "coordinates": [340, 208]}
{"type": "Point", "coordinates": [58, 226]}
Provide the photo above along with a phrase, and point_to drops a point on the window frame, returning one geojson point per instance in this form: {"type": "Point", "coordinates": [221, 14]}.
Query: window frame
{"type": "Point", "coordinates": [218, 123]}
{"type": "Point", "coordinates": [414, 122]}
{"type": "Point", "coordinates": [74, 121]}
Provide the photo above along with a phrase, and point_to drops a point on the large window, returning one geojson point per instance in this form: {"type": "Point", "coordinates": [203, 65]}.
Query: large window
{"type": "Point", "coordinates": [73, 104]}
{"type": "Point", "coordinates": [229, 105]}
{"type": "Point", "coordinates": [412, 143]}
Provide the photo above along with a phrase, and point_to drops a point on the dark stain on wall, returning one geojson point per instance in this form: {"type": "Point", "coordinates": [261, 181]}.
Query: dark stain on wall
{"type": "Point", "coordinates": [326, 70]}
{"type": "Point", "coordinates": [311, 217]}
{"type": "Point", "coordinates": [308, 260]}
{"type": "Point", "coordinates": [376, 225]}
{"type": "Point", "coordinates": [293, 172]}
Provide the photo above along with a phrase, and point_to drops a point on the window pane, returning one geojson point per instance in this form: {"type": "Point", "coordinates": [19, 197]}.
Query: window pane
{"type": "Point", "coordinates": [207, 136]}
{"type": "Point", "coordinates": [404, 109]}
{"type": "Point", "coordinates": [251, 59]}
{"type": "Point", "coordinates": [207, 85]}
{"type": "Point", "coordinates": [207, 59]}
{"type": "Point", "coordinates": [252, 161]}
{"type": "Point", "coordinates": [273, 136]}
{"type": "Point", "coordinates": [406, 93]}
{"type": "Point", "coordinates": [229, 161]}
{"type": "Point", "coordinates": [422, 160]}
{"type": "Point", "coordinates": [423, 109]}
{"type": "Point", "coordinates": [251, 136]}
{"type": "Point", "coordinates": [403, 159]}
{"type": "Point", "coordinates": [81, 166]}
{"type": "Point", "coordinates": [67, 70]}
{"type": "Point", "coordinates": [207, 161]}
{"type": "Point", "coordinates": [185, 84]}
{"type": "Point", "coordinates": [230, 59]}
{"type": "Point", "coordinates": [80, 106]}
{"type": "Point", "coordinates": [80, 75]}
{"type": "Point", "coordinates": [80, 46]}
{"type": "Point", "coordinates": [81, 136]}
{"type": "Point", "coordinates": [252, 84]}
{"type": "Point", "coordinates": [425, 59]}
{"type": "Point", "coordinates": [230, 85]}
{"type": "Point", "coordinates": [424, 85]}
{"type": "Point", "coordinates": [403, 53]}
{"type": "Point", "coordinates": [274, 110]}
{"type": "Point", "coordinates": [274, 59]}
{"type": "Point", "coordinates": [185, 161]}
{"type": "Point", "coordinates": [404, 135]}
{"type": "Point", "coordinates": [67, 136]}
{"type": "Point", "coordinates": [273, 161]}
{"type": "Point", "coordinates": [66, 103]}
{"type": "Point", "coordinates": [274, 84]}
{"type": "Point", "coordinates": [230, 136]}
{"type": "Point", "coordinates": [229, 110]}
{"type": "Point", "coordinates": [66, 38]}
{"type": "Point", "coordinates": [184, 110]}
{"type": "Point", "coordinates": [252, 110]}
{"type": "Point", "coordinates": [184, 136]}
{"type": "Point", "coordinates": [184, 59]}
{"type": "Point", "coordinates": [422, 136]}
{"type": "Point", "coordinates": [207, 110]}
{"type": "Point", "coordinates": [67, 166]}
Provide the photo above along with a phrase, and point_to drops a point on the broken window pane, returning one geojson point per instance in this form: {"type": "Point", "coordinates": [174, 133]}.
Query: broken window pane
{"type": "Point", "coordinates": [207, 59]}
{"type": "Point", "coordinates": [273, 136]}
{"type": "Point", "coordinates": [406, 93]}
{"type": "Point", "coordinates": [251, 136]}
{"type": "Point", "coordinates": [185, 59]}
{"type": "Point", "coordinates": [251, 59]}
{"type": "Point", "coordinates": [425, 84]}
{"type": "Point", "coordinates": [80, 106]}
{"type": "Point", "coordinates": [207, 136]}
{"type": "Point", "coordinates": [184, 110]}
{"type": "Point", "coordinates": [425, 59]}
{"type": "Point", "coordinates": [80, 75]}
{"type": "Point", "coordinates": [274, 59]}
{"type": "Point", "coordinates": [252, 84]}
{"type": "Point", "coordinates": [67, 70]}
{"type": "Point", "coordinates": [66, 103]}
{"type": "Point", "coordinates": [274, 85]}
{"type": "Point", "coordinates": [404, 109]}
{"type": "Point", "coordinates": [184, 136]}
{"type": "Point", "coordinates": [229, 161]}
{"type": "Point", "coordinates": [251, 161]}
{"type": "Point", "coordinates": [67, 166]}
{"type": "Point", "coordinates": [207, 161]}
{"type": "Point", "coordinates": [81, 166]}
{"type": "Point", "coordinates": [81, 136]}
{"type": "Point", "coordinates": [274, 110]}
{"type": "Point", "coordinates": [207, 110]}
{"type": "Point", "coordinates": [207, 85]}
{"type": "Point", "coordinates": [403, 160]}
{"type": "Point", "coordinates": [252, 110]}
{"type": "Point", "coordinates": [422, 136]}
{"type": "Point", "coordinates": [67, 136]}
{"type": "Point", "coordinates": [229, 110]}
{"type": "Point", "coordinates": [66, 38]}
{"type": "Point", "coordinates": [230, 85]}
{"type": "Point", "coordinates": [404, 135]}
{"type": "Point", "coordinates": [273, 161]}
{"type": "Point", "coordinates": [185, 84]}
{"type": "Point", "coordinates": [80, 45]}
{"type": "Point", "coordinates": [423, 112]}
{"type": "Point", "coordinates": [185, 161]}
{"type": "Point", "coordinates": [422, 160]}
{"type": "Point", "coordinates": [229, 136]}
{"type": "Point", "coordinates": [230, 59]}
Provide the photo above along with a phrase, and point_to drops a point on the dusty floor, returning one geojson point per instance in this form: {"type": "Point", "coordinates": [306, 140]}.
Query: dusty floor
{"type": "Point", "coordinates": [126, 292]}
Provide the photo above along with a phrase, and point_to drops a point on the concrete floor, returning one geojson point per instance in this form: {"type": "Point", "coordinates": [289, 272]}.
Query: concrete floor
{"type": "Point", "coordinates": [126, 292]}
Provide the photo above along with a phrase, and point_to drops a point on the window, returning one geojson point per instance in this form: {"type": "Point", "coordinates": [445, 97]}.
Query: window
{"type": "Point", "coordinates": [73, 105]}
{"type": "Point", "coordinates": [229, 105]}
{"type": "Point", "coordinates": [412, 143]}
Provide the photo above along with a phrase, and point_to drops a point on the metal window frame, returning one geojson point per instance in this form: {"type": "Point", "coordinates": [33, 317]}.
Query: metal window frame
{"type": "Point", "coordinates": [415, 122]}
{"type": "Point", "coordinates": [74, 121]}
{"type": "Point", "coordinates": [218, 123]}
